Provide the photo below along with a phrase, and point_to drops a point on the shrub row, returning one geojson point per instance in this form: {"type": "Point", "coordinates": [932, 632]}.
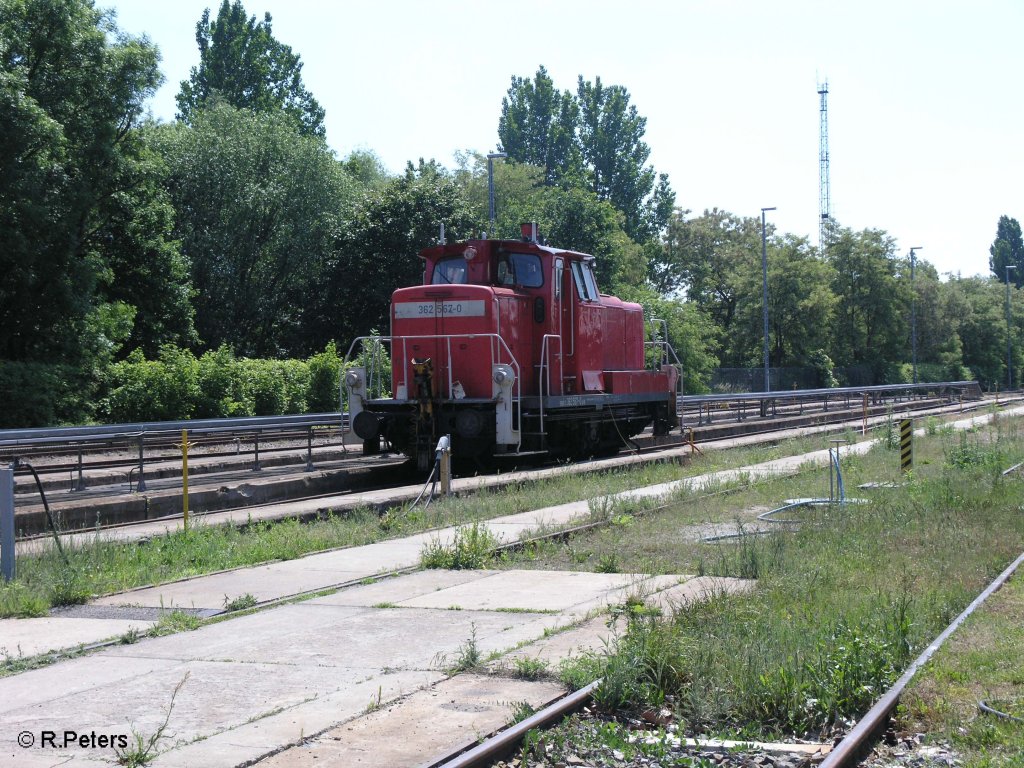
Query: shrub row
{"type": "Point", "coordinates": [178, 385]}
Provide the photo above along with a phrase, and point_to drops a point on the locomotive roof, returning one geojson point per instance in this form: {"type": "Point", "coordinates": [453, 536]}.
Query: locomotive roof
{"type": "Point", "coordinates": [437, 251]}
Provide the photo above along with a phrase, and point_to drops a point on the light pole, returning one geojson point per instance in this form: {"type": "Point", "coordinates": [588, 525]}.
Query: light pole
{"type": "Point", "coordinates": [490, 183]}
{"type": "Point", "coordinates": [913, 311]}
{"type": "Point", "coordinates": [1009, 348]}
{"type": "Point", "coordinates": [764, 298]}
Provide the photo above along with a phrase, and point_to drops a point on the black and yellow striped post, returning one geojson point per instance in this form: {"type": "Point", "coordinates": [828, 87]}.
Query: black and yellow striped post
{"type": "Point", "coordinates": [906, 445]}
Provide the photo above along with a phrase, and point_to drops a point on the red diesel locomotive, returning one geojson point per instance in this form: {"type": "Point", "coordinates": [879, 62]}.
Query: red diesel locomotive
{"type": "Point", "coordinates": [509, 348]}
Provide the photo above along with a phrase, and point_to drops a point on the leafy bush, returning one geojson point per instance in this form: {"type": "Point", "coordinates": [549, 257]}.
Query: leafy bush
{"type": "Point", "coordinates": [324, 380]}
{"type": "Point", "coordinates": [824, 368]}
{"type": "Point", "coordinates": [39, 395]}
{"type": "Point", "coordinates": [153, 390]}
{"type": "Point", "coordinates": [221, 386]}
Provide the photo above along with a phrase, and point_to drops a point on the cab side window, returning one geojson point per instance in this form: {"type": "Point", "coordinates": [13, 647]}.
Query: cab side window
{"type": "Point", "coordinates": [583, 277]}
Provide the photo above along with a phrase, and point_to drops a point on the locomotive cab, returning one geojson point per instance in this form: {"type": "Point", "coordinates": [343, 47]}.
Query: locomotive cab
{"type": "Point", "coordinates": [509, 347]}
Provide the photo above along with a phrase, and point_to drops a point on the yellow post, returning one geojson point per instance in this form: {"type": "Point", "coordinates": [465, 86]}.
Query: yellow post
{"type": "Point", "coordinates": [446, 472]}
{"type": "Point", "coordinates": [184, 476]}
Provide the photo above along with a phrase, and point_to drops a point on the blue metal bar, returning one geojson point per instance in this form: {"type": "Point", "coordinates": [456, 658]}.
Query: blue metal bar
{"type": "Point", "coordinates": [7, 523]}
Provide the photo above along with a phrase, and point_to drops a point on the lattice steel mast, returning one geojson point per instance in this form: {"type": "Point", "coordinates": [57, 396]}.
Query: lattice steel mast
{"type": "Point", "coordinates": [824, 187]}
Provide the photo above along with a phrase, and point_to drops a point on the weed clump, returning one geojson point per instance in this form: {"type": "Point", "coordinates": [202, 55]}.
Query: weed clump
{"type": "Point", "coordinates": [471, 548]}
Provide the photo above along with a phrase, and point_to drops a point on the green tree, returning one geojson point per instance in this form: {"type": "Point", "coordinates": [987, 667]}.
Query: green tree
{"type": "Point", "coordinates": [611, 140]}
{"type": "Point", "coordinates": [365, 168]}
{"type": "Point", "coordinates": [706, 256]}
{"type": "Point", "coordinates": [594, 140]}
{"type": "Point", "coordinates": [1007, 251]}
{"type": "Point", "coordinates": [874, 305]}
{"type": "Point", "coordinates": [801, 305]}
{"type": "Point", "coordinates": [149, 271]}
{"type": "Point", "coordinates": [377, 248]}
{"type": "Point", "coordinates": [243, 64]}
{"type": "Point", "coordinates": [515, 184]}
{"type": "Point", "coordinates": [538, 126]}
{"type": "Point", "coordinates": [259, 211]}
{"type": "Point", "coordinates": [941, 310]}
{"type": "Point", "coordinates": [982, 328]}
{"type": "Point", "coordinates": [73, 178]}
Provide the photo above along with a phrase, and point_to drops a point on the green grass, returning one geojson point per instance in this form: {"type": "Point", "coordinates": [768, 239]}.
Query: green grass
{"type": "Point", "coordinates": [982, 661]}
{"type": "Point", "coordinates": [471, 547]}
{"type": "Point", "coordinates": [842, 604]}
{"type": "Point", "coordinates": [175, 621]}
{"type": "Point", "coordinates": [104, 565]}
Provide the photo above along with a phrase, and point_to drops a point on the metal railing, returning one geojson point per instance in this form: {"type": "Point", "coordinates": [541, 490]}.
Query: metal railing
{"type": "Point", "coordinates": [106, 432]}
{"type": "Point", "coordinates": [876, 392]}
{"type": "Point", "coordinates": [499, 350]}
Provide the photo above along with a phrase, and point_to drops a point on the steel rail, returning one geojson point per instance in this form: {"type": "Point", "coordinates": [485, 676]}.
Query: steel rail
{"type": "Point", "coordinates": [505, 741]}
{"type": "Point", "coordinates": [850, 747]}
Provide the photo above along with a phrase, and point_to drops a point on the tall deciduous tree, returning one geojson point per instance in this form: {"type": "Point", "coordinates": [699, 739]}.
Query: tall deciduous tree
{"type": "Point", "coordinates": [873, 309]}
{"type": "Point", "coordinates": [71, 94]}
{"type": "Point", "coordinates": [242, 63]}
{"type": "Point", "coordinates": [611, 140]}
{"type": "Point", "coordinates": [1008, 251]}
{"type": "Point", "coordinates": [801, 305]}
{"type": "Point", "coordinates": [706, 256]}
{"type": "Point", "coordinates": [591, 139]}
{"type": "Point", "coordinates": [983, 329]}
{"type": "Point", "coordinates": [259, 211]}
{"type": "Point", "coordinates": [538, 126]}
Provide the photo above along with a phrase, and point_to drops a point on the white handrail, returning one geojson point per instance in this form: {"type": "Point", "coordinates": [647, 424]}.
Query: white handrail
{"type": "Point", "coordinates": [498, 348]}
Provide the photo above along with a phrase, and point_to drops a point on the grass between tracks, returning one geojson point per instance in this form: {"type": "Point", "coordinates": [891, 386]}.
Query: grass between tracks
{"type": "Point", "coordinates": [981, 662]}
{"type": "Point", "coordinates": [842, 604]}
{"type": "Point", "coordinates": [104, 565]}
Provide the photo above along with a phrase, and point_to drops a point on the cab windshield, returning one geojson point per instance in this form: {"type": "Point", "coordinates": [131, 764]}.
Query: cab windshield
{"type": "Point", "coordinates": [451, 269]}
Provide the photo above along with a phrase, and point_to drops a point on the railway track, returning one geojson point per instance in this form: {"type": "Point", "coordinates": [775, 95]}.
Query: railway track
{"type": "Point", "coordinates": [116, 506]}
{"type": "Point", "coordinates": [846, 753]}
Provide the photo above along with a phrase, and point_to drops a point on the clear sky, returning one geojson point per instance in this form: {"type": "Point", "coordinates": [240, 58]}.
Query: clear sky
{"type": "Point", "coordinates": [925, 108]}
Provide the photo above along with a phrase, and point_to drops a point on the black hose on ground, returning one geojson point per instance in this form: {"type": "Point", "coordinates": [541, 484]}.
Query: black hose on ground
{"type": "Point", "coordinates": [46, 506]}
{"type": "Point", "coordinates": [988, 710]}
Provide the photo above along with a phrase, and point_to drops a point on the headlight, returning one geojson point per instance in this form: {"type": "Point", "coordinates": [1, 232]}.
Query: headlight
{"type": "Point", "coordinates": [501, 376]}
{"type": "Point", "coordinates": [353, 380]}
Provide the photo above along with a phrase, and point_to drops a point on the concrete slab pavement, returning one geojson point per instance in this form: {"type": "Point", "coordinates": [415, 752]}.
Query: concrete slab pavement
{"type": "Point", "coordinates": [31, 637]}
{"type": "Point", "coordinates": [430, 721]}
{"type": "Point", "coordinates": [260, 682]}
